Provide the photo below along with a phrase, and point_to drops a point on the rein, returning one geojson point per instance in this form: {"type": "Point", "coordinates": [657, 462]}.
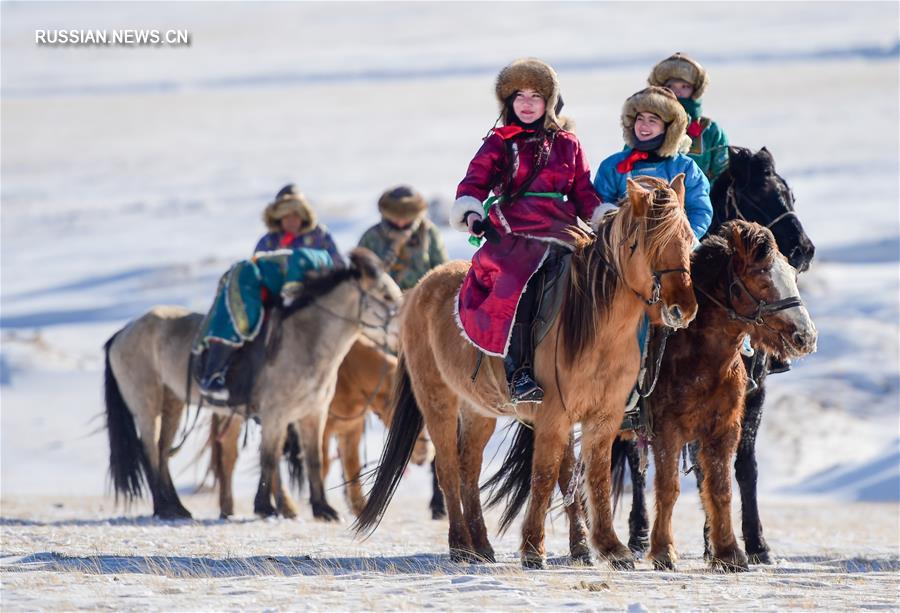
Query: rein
{"type": "Point", "coordinates": [358, 320]}
{"type": "Point", "coordinates": [732, 195]}
{"type": "Point", "coordinates": [763, 308]}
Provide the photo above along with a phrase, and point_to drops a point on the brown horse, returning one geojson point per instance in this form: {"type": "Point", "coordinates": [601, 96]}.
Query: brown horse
{"type": "Point", "coordinates": [363, 384]}
{"type": "Point", "coordinates": [588, 363]}
{"type": "Point", "coordinates": [744, 285]}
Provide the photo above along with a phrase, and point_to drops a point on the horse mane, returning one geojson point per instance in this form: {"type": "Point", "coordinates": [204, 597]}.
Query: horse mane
{"type": "Point", "coordinates": [316, 285]}
{"type": "Point", "coordinates": [711, 259]}
{"type": "Point", "coordinates": [596, 261]}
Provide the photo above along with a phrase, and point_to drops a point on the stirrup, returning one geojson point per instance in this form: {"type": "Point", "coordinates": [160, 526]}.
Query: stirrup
{"type": "Point", "coordinates": [523, 387]}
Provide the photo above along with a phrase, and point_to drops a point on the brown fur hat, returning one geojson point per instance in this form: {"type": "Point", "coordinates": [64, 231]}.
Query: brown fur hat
{"type": "Point", "coordinates": [529, 73]}
{"type": "Point", "coordinates": [680, 66]}
{"type": "Point", "coordinates": [289, 200]}
{"type": "Point", "coordinates": [661, 102]}
{"type": "Point", "coordinates": [402, 203]}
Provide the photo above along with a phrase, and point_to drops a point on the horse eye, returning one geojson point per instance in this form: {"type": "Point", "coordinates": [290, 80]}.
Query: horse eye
{"type": "Point", "coordinates": [633, 247]}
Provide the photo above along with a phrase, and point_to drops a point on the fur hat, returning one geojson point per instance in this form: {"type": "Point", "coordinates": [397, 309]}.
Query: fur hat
{"type": "Point", "coordinates": [530, 73]}
{"type": "Point", "coordinates": [289, 200]}
{"type": "Point", "coordinates": [662, 102]}
{"type": "Point", "coordinates": [402, 203]}
{"type": "Point", "coordinates": [680, 66]}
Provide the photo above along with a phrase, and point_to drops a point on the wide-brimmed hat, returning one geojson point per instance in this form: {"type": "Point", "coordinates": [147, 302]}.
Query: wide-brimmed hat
{"type": "Point", "coordinates": [288, 200]}
{"type": "Point", "coordinates": [529, 73]}
{"type": "Point", "coordinates": [680, 66]}
{"type": "Point", "coordinates": [661, 102]}
{"type": "Point", "coordinates": [402, 203]}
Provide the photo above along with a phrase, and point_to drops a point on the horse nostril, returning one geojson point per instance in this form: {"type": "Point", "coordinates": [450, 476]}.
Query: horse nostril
{"type": "Point", "coordinates": [804, 339]}
{"type": "Point", "coordinates": [676, 313]}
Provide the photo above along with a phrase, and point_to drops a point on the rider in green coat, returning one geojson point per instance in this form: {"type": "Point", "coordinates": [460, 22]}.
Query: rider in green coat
{"type": "Point", "coordinates": [688, 79]}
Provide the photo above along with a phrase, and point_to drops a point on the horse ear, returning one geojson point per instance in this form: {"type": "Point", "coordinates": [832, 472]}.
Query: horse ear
{"type": "Point", "coordinates": [366, 266]}
{"type": "Point", "coordinates": [677, 186]}
{"type": "Point", "coordinates": [737, 244]}
{"type": "Point", "coordinates": [638, 197]}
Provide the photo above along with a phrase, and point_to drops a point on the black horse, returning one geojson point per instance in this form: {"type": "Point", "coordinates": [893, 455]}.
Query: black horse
{"type": "Point", "coordinates": [749, 189]}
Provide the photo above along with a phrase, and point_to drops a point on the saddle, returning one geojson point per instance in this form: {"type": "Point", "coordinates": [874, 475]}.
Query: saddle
{"type": "Point", "coordinates": [245, 363]}
{"type": "Point", "coordinates": [550, 283]}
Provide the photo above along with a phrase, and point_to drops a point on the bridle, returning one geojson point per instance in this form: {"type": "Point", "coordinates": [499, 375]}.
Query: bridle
{"type": "Point", "coordinates": [763, 308]}
{"type": "Point", "coordinates": [732, 196]}
{"type": "Point", "coordinates": [388, 311]}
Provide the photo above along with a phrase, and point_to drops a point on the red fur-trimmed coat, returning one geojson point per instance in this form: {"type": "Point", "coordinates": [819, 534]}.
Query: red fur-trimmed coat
{"type": "Point", "coordinates": [528, 225]}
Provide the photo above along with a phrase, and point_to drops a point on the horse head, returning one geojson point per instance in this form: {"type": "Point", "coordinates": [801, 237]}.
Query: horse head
{"type": "Point", "coordinates": [761, 288]}
{"type": "Point", "coordinates": [654, 257]}
{"type": "Point", "coordinates": [380, 296]}
{"type": "Point", "coordinates": [751, 190]}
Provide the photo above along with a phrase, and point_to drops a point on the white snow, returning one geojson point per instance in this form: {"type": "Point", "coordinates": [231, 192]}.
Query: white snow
{"type": "Point", "coordinates": [133, 176]}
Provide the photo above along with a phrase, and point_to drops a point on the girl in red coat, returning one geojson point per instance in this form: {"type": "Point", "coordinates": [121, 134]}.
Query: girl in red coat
{"type": "Point", "coordinates": [541, 184]}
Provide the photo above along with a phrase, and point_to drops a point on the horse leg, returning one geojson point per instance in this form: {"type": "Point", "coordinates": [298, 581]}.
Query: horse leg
{"type": "Point", "coordinates": [638, 523]}
{"type": "Point", "coordinates": [716, 496]}
{"type": "Point", "coordinates": [311, 429]}
{"type": "Point", "coordinates": [476, 431]}
{"type": "Point", "coordinates": [170, 504]}
{"type": "Point", "coordinates": [551, 437]}
{"type": "Point", "coordinates": [666, 447]}
{"type": "Point", "coordinates": [348, 446]}
{"type": "Point", "coordinates": [746, 472]}
{"type": "Point", "coordinates": [579, 551]}
{"type": "Point", "coordinates": [437, 506]}
{"type": "Point", "coordinates": [225, 433]}
{"type": "Point", "coordinates": [694, 451]}
{"type": "Point", "coordinates": [273, 433]}
{"type": "Point", "coordinates": [597, 439]}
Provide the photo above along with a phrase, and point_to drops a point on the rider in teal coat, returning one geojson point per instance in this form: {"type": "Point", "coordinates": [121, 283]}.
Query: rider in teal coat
{"type": "Point", "coordinates": [653, 126]}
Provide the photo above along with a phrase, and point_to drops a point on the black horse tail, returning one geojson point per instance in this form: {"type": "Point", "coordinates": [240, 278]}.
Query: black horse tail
{"type": "Point", "coordinates": [405, 428]}
{"type": "Point", "coordinates": [293, 453]}
{"type": "Point", "coordinates": [127, 460]}
{"type": "Point", "coordinates": [512, 482]}
{"type": "Point", "coordinates": [619, 459]}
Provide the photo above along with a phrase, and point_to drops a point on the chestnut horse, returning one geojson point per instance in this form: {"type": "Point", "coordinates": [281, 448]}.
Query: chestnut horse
{"type": "Point", "coordinates": [751, 190]}
{"type": "Point", "coordinates": [363, 384]}
{"type": "Point", "coordinates": [744, 285]}
{"type": "Point", "coordinates": [588, 363]}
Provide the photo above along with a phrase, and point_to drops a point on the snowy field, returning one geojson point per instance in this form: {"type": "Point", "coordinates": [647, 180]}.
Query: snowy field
{"type": "Point", "coordinates": [133, 176]}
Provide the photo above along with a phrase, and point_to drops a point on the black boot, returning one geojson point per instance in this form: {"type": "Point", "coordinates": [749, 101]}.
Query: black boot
{"type": "Point", "coordinates": [212, 379]}
{"type": "Point", "coordinates": [519, 377]}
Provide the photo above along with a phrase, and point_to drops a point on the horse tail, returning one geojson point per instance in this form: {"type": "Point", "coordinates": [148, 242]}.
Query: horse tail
{"type": "Point", "coordinates": [619, 459]}
{"type": "Point", "coordinates": [406, 425]}
{"type": "Point", "coordinates": [127, 460]}
{"type": "Point", "coordinates": [293, 453]}
{"type": "Point", "coordinates": [512, 481]}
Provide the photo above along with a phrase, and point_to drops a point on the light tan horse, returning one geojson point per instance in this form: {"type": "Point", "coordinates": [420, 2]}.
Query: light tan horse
{"type": "Point", "coordinates": [363, 384]}
{"type": "Point", "coordinates": [587, 365]}
{"type": "Point", "coordinates": [147, 368]}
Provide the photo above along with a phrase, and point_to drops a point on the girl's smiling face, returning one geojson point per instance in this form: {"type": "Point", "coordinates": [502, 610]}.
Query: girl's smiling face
{"type": "Point", "coordinates": [529, 105]}
{"type": "Point", "coordinates": [648, 125]}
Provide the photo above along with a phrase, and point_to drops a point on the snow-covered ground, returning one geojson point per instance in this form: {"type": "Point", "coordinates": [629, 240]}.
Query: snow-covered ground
{"type": "Point", "coordinates": [132, 176]}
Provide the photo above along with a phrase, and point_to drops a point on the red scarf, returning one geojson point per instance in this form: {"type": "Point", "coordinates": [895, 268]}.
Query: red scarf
{"type": "Point", "coordinates": [695, 129]}
{"type": "Point", "coordinates": [286, 239]}
{"type": "Point", "coordinates": [628, 163]}
{"type": "Point", "coordinates": [507, 132]}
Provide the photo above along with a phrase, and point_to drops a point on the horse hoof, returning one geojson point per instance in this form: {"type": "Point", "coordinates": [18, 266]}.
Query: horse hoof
{"type": "Point", "coordinates": [460, 556]}
{"type": "Point", "coordinates": [532, 562]}
{"type": "Point", "coordinates": [324, 512]}
{"type": "Point", "coordinates": [581, 559]}
{"type": "Point", "coordinates": [438, 513]}
{"type": "Point", "coordinates": [760, 557]}
{"type": "Point", "coordinates": [663, 564]}
{"type": "Point", "coordinates": [638, 546]}
{"type": "Point", "coordinates": [484, 556]}
{"type": "Point", "coordinates": [174, 514]}
{"type": "Point", "coordinates": [622, 563]}
{"type": "Point", "coordinates": [732, 562]}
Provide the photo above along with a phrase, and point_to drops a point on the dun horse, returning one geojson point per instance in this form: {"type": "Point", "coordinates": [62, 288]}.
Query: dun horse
{"type": "Point", "coordinates": [147, 369]}
{"type": "Point", "coordinates": [751, 190]}
{"type": "Point", "coordinates": [363, 384]}
{"type": "Point", "coordinates": [612, 280]}
{"type": "Point", "coordinates": [744, 285]}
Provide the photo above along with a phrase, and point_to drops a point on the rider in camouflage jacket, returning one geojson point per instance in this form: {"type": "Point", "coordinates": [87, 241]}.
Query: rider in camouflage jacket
{"type": "Point", "coordinates": [405, 239]}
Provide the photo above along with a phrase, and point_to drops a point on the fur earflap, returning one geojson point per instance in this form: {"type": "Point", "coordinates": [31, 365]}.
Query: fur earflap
{"type": "Point", "coordinates": [289, 200]}
{"type": "Point", "coordinates": [600, 212]}
{"type": "Point", "coordinates": [402, 204]}
{"type": "Point", "coordinates": [662, 102]}
{"type": "Point", "coordinates": [529, 73]}
{"type": "Point", "coordinates": [680, 66]}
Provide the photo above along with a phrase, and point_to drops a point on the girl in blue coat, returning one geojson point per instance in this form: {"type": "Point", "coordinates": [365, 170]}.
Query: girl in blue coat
{"type": "Point", "coordinates": [653, 126]}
